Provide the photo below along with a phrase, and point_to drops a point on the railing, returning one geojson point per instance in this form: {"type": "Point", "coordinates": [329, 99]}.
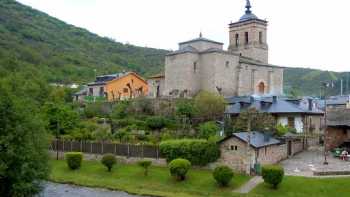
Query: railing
{"type": "Point", "coordinates": [127, 150]}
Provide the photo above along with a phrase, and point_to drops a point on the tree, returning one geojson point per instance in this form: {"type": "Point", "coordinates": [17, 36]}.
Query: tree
{"type": "Point", "coordinates": [156, 123]}
{"type": "Point", "coordinates": [185, 108]}
{"type": "Point", "coordinates": [210, 106]}
{"type": "Point", "coordinates": [208, 129]}
{"type": "Point", "coordinates": [259, 121]}
{"type": "Point", "coordinates": [61, 118]}
{"type": "Point", "coordinates": [23, 146]}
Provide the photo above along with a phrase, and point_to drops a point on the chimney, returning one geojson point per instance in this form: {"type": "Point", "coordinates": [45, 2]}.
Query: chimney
{"type": "Point", "coordinates": [274, 99]}
{"type": "Point", "coordinates": [310, 104]}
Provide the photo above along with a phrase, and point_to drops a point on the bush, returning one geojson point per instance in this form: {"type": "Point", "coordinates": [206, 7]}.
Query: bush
{"type": "Point", "coordinates": [272, 174]}
{"type": "Point", "coordinates": [223, 175]}
{"type": "Point", "coordinates": [208, 129]}
{"type": "Point", "coordinates": [198, 152]}
{"type": "Point", "coordinates": [109, 161]}
{"type": "Point", "coordinates": [179, 168]}
{"type": "Point", "coordinates": [74, 160]}
{"type": "Point", "coordinates": [145, 164]}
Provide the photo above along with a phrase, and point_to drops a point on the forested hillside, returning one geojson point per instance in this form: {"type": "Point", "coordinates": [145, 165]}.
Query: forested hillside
{"type": "Point", "coordinates": [64, 53]}
{"type": "Point", "coordinates": [33, 42]}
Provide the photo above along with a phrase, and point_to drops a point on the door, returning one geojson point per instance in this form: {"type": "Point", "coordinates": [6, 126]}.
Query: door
{"type": "Point", "coordinates": [289, 148]}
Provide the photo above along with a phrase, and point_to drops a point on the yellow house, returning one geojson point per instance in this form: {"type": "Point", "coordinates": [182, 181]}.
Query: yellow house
{"type": "Point", "coordinates": [118, 86]}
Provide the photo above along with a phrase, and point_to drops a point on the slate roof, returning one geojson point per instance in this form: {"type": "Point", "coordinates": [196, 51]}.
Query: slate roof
{"type": "Point", "coordinates": [103, 79]}
{"type": "Point", "coordinates": [257, 139]}
{"type": "Point", "coordinates": [268, 105]}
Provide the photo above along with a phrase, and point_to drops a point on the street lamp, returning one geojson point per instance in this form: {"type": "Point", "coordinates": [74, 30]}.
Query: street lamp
{"type": "Point", "coordinates": [325, 85]}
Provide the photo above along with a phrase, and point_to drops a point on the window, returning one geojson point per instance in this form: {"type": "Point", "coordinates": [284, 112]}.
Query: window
{"type": "Point", "coordinates": [234, 147]}
{"type": "Point", "coordinates": [246, 37]}
{"type": "Point", "coordinates": [194, 67]}
{"type": "Point", "coordinates": [101, 91]}
{"type": "Point", "coordinates": [125, 90]}
{"type": "Point", "coordinates": [237, 40]}
{"type": "Point", "coordinates": [227, 64]}
{"type": "Point", "coordinates": [260, 37]}
{"type": "Point", "coordinates": [291, 122]}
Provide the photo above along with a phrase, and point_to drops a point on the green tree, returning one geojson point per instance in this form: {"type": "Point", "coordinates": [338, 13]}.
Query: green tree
{"type": "Point", "coordinates": [208, 129]}
{"type": "Point", "coordinates": [23, 146]}
{"type": "Point", "coordinates": [210, 106]}
{"type": "Point", "coordinates": [60, 117]}
{"type": "Point", "coordinates": [259, 121]}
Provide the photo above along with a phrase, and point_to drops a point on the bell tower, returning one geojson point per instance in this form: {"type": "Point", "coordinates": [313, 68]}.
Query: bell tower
{"type": "Point", "coordinates": [248, 36]}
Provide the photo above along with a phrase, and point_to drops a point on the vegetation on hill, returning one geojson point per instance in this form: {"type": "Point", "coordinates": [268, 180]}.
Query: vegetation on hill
{"type": "Point", "coordinates": [30, 39]}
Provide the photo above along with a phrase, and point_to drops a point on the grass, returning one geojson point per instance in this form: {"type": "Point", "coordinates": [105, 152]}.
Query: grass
{"type": "Point", "coordinates": [130, 178]}
{"type": "Point", "coordinates": [306, 187]}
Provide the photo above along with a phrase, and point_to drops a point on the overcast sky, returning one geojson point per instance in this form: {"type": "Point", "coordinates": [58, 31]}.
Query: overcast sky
{"type": "Point", "coordinates": [302, 33]}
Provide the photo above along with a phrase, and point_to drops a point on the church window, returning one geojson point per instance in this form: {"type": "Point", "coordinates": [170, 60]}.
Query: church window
{"type": "Point", "coordinates": [237, 40]}
{"type": "Point", "coordinates": [246, 35]}
{"type": "Point", "coordinates": [227, 64]}
{"type": "Point", "coordinates": [194, 67]}
{"type": "Point", "coordinates": [260, 37]}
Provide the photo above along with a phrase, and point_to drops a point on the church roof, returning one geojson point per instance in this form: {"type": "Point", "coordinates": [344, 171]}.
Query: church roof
{"type": "Point", "coordinates": [201, 39]}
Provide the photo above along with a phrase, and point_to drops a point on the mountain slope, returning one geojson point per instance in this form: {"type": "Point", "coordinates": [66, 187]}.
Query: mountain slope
{"type": "Point", "coordinates": [65, 53]}
{"type": "Point", "coordinates": [32, 41]}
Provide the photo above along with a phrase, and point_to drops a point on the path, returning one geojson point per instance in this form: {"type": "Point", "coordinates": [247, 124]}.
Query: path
{"type": "Point", "coordinates": [64, 190]}
{"type": "Point", "coordinates": [251, 184]}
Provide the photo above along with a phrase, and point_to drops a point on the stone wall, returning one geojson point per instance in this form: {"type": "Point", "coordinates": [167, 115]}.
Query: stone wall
{"type": "Point", "coordinates": [335, 136]}
{"type": "Point", "coordinates": [272, 154]}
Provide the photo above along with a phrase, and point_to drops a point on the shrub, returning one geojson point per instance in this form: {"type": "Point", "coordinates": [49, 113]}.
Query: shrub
{"type": "Point", "coordinates": [208, 129]}
{"type": "Point", "coordinates": [273, 174]}
{"type": "Point", "coordinates": [74, 160]}
{"type": "Point", "coordinates": [145, 164]}
{"type": "Point", "coordinates": [198, 152]}
{"type": "Point", "coordinates": [223, 175]}
{"type": "Point", "coordinates": [109, 161]}
{"type": "Point", "coordinates": [179, 168]}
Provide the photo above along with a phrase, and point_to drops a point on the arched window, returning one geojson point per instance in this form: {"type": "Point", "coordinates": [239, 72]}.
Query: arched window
{"type": "Point", "coordinates": [261, 88]}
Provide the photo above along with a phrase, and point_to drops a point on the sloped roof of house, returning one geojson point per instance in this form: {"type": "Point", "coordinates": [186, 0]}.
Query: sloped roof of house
{"type": "Point", "coordinates": [104, 79]}
{"type": "Point", "coordinates": [201, 39]}
{"type": "Point", "coordinates": [271, 105]}
{"type": "Point", "coordinates": [257, 139]}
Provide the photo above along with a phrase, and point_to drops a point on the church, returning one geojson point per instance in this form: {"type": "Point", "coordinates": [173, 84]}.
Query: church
{"type": "Point", "coordinates": [202, 64]}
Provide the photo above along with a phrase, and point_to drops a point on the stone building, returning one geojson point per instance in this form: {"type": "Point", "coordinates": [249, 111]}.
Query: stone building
{"type": "Point", "coordinates": [263, 150]}
{"type": "Point", "coordinates": [243, 69]}
{"type": "Point", "coordinates": [338, 128]}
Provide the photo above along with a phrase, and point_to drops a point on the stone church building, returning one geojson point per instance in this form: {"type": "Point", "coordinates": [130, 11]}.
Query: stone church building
{"type": "Point", "coordinates": [203, 64]}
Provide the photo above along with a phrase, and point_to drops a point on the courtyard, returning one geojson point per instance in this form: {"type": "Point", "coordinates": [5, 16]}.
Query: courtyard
{"type": "Point", "coordinates": [310, 161]}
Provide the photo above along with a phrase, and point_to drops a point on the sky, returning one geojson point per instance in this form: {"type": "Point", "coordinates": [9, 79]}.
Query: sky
{"type": "Point", "coordinates": [301, 33]}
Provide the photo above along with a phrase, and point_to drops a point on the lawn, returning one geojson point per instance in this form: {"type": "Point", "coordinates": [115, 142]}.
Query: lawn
{"type": "Point", "coordinates": [130, 178]}
{"type": "Point", "coordinates": [306, 187]}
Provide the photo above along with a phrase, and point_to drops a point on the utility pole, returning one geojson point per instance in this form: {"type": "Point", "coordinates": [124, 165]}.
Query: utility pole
{"type": "Point", "coordinates": [248, 142]}
{"type": "Point", "coordinates": [341, 87]}
{"type": "Point", "coordinates": [57, 134]}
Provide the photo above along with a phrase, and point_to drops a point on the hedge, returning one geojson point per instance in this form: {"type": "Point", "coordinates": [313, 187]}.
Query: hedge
{"type": "Point", "coordinates": [198, 152]}
{"type": "Point", "coordinates": [223, 175]}
{"type": "Point", "coordinates": [179, 168]}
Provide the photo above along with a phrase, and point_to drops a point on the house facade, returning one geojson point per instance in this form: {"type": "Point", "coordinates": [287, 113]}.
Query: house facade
{"type": "Point", "coordinates": [263, 150]}
{"type": "Point", "coordinates": [301, 115]}
{"type": "Point", "coordinates": [114, 87]}
{"type": "Point", "coordinates": [338, 128]}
